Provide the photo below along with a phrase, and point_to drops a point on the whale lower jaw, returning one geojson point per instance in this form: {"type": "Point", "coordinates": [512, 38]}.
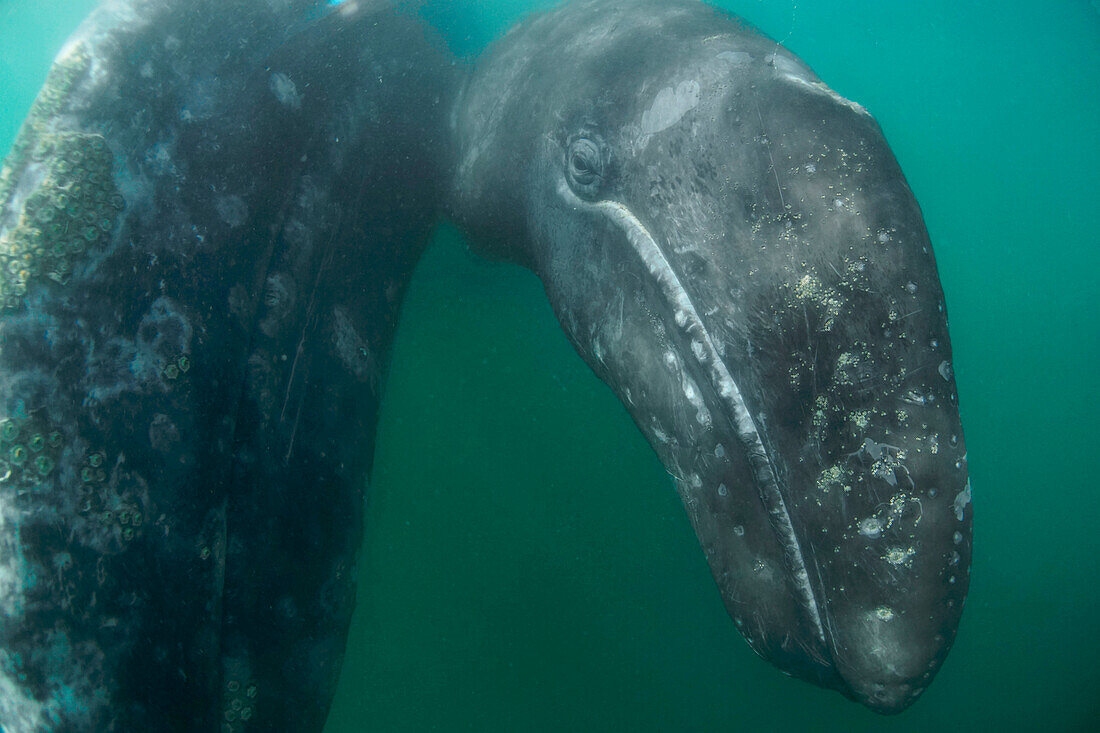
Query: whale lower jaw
{"type": "Point", "coordinates": [704, 354]}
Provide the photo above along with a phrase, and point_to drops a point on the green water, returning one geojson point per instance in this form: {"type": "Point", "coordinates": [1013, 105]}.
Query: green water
{"type": "Point", "coordinates": [527, 564]}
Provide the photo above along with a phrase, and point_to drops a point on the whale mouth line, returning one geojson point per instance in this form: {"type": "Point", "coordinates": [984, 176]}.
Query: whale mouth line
{"type": "Point", "coordinates": [705, 354]}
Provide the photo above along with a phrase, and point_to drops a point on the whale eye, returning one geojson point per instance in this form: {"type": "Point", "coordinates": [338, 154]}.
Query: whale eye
{"type": "Point", "coordinates": [584, 167]}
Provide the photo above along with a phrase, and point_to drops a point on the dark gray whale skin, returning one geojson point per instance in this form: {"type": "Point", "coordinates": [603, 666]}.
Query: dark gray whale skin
{"type": "Point", "coordinates": [733, 248]}
{"type": "Point", "coordinates": [206, 226]}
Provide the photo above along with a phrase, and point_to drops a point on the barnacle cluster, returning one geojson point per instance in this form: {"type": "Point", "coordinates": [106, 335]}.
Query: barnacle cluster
{"type": "Point", "coordinates": [240, 700]}
{"type": "Point", "coordinates": [834, 477]}
{"type": "Point", "coordinates": [74, 207]}
{"type": "Point", "coordinates": [118, 512]}
{"type": "Point", "coordinates": [177, 368]}
{"type": "Point", "coordinates": [29, 451]}
{"type": "Point", "coordinates": [826, 302]}
{"type": "Point", "coordinates": [49, 102]}
{"type": "Point", "coordinates": [74, 204]}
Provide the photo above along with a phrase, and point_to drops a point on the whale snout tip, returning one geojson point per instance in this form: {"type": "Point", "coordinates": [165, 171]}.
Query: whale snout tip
{"type": "Point", "coordinates": [886, 698]}
{"type": "Point", "coordinates": [888, 680]}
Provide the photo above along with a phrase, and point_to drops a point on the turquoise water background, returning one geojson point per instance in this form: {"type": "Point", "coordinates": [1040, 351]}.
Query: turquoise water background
{"type": "Point", "coordinates": [528, 566]}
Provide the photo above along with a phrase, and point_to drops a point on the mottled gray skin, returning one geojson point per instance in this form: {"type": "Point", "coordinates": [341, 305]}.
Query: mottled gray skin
{"type": "Point", "coordinates": [195, 386]}
{"type": "Point", "coordinates": [732, 247]}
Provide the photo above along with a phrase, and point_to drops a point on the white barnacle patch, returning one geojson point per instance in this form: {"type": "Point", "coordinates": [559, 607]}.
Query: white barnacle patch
{"type": "Point", "coordinates": [834, 477]}
{"type": "Point", "coordinates": [899, 556]}
{"type": "Point", "coordinates": [861, 419]}
{"type": "Point", "coordinates": [809, 290]}
{"type": "Point", "coordinates": [884, 613]}
{"type": "Point", "coordinates": [961, 500]}
{"type": "Point", "coordinates": [286, 91]}
{"type": "Point", "coordinates": [669, 107]}
{"type": "Point", "coordinates": [871, 527]}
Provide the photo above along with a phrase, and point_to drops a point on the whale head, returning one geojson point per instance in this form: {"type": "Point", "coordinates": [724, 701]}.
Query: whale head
{"type": "Point", "coordinates": [732, 247]}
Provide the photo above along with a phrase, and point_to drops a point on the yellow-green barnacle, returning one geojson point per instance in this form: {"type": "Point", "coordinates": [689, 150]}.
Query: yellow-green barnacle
{"type": "Point", "coordinates": [204, 553]}
{"type": "Point", "coordinates": [136, 519]}
{"type": "Point", "coordinates": [96, 460]}
{"type": "Point", "coordinates": [128, 534]}
{"type": "Point", "coordinates": [251, 691]}
{"type": "Point", "coordinates": [171, 371]}
{"type": "Point", "coordinates": [107, 516]}
{"type": "Point", "coordinates": [87, 474]}
{"type": "Point", "coordinates": [184, 363]}
{"type": "Point", "coordinates": [44, 214]}
{"type": "Point", "coordinates": [9, 430]}
{"type": "Point", "coordinates": [37, 442]}
{"type": "Point", "coordinates": [44, 465]}
{"type": "Point", "coordinates": [17, 455]}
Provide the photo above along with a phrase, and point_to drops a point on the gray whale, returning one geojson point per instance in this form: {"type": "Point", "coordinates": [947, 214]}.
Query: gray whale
{"type": "Point", "coordinates": [732, 247]}
{"type": "Point", "coordinates": [207, 225]}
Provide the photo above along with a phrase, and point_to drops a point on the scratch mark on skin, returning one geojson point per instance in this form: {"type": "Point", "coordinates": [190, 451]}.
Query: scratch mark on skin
{"type": "Point", "coordinates": [306, 328]}
{"type": "Point", "coordinates": [768, 145]}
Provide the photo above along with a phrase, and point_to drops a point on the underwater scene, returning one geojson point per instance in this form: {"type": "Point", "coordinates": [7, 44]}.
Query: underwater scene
{"type": "Point", "coordinates": [527, 564]}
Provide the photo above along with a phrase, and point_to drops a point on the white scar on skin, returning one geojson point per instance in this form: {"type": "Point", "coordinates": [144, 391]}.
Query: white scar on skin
{"type": "Point", "coordinates": [670, 106]}
{"type": "Point", "coordinates": [688, 319]}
